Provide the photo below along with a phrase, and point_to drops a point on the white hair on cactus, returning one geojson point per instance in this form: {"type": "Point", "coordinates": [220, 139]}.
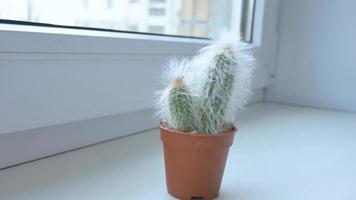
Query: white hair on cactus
{"type": "Point", "coordinates": [162, 110]}
{"type": "Point", "coordinates": [244, 66]}
{"type": "Point", "coordinates": [175, 69]}
{"type": "Point", "coordinates": [242, 55]}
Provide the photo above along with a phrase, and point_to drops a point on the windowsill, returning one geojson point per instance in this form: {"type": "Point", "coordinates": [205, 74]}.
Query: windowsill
{"type": "Point", "coordinates": [280, 152]}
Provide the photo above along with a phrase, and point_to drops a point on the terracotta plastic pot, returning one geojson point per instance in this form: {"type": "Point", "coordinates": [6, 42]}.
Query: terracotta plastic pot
{"type": "Point", "coordinates": [195, 163]}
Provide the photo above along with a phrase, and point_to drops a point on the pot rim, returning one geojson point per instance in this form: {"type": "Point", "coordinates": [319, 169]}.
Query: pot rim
{"type": "Point", "coordinates": [231, 132]}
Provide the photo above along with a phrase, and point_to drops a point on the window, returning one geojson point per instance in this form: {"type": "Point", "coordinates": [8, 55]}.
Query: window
{"type": "Point", "coordinates": [132, 27]}
{"type": "Point", "coordinates": [157, 1]}
{"type": "Point", "coordinates": [85, 4]}
{"type": "Point", "coordinates": [109, 4]}
{"type": "Point", "coordinates": [199, 18]}
{"type": "Point", "coordinates": [157, 11]}
{"type": "Point", "coordinates": [156, 29]}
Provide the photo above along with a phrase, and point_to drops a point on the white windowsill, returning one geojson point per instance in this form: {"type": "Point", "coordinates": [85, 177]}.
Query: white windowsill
{"type": "Point", "coordinates": [280, 152]}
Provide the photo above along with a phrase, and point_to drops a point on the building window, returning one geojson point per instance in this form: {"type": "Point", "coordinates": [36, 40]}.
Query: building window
{"type": "Point", "coordinates": [156, 29]}
{"type": "Point", "coordinates": [157, 11]}
{"type": "Point", "coordinates": [85, 3]}
{"type": "Point", "coordinates": [109, 4]}
{"type": "Point", "coordinates": [132, 27]}
{"type": "Point", "coordinates": [157, 1]}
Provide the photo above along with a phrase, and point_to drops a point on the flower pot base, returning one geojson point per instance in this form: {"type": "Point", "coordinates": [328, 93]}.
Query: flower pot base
{"type": "Point", "coordinates": [194, 197]}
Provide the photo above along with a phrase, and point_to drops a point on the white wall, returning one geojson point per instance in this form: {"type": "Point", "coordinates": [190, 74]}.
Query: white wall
{"type": "Point", "coordinates": [316, 64]}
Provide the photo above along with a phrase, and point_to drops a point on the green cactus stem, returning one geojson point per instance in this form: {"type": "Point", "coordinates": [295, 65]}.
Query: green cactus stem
{"type": "Point", "coordinates": [180, 105]}
{"type": "Point", "coordinates": [217, 92]}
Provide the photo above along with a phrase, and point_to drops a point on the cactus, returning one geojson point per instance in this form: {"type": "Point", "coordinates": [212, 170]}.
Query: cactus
{"type": "Point", "coordinates": [217, 91]}
{"type": "Point", "coordinates": [203, 95]}
{"type": "Point", "coordinates": [180, 105]}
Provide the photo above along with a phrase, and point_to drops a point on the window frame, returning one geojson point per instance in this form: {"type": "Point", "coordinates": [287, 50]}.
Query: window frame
{"type": "Point", "coordinates": [162, 43]}
{"type": "Point", "coordinates": [38, 39]}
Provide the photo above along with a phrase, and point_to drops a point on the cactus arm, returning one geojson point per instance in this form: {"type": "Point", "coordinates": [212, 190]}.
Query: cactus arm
{"type": "Point", "coordinates": [180, 104]}
{"type": "Point", "coordinates": [217, 92]}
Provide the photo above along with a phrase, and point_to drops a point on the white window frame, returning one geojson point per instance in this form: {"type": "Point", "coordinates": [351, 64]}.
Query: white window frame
{"type": "Point", "coordinates": [36, 39]}
{"type": "Point", "coordinates": [21, 44]}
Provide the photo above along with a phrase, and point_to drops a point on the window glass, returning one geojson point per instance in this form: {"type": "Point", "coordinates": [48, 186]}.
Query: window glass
{"type": "Point", "coordinates": [199, 18]}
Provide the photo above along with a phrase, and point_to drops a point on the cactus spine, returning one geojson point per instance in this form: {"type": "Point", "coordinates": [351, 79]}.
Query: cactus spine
{"type": "Point", "coordinates": [180, 105]}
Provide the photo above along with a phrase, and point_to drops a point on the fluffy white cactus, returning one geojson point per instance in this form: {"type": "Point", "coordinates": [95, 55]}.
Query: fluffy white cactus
{"type": "Point", "coordinates": [173, 104]}
{"type": "Point", "coordinates": [204, 94]}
